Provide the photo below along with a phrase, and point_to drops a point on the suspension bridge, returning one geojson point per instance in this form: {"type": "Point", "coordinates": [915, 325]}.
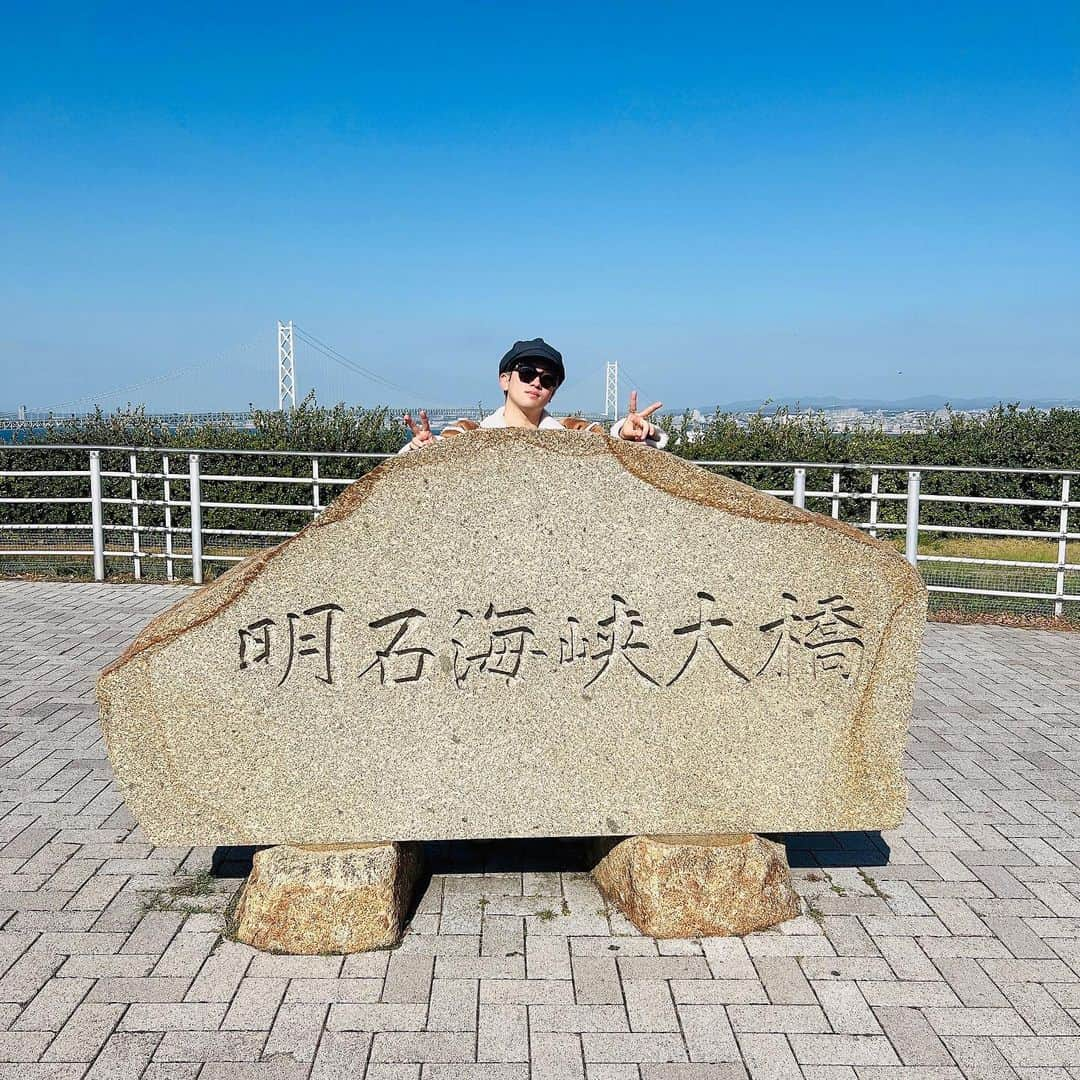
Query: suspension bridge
{"type": "Point", "coordinates": [307, 367]}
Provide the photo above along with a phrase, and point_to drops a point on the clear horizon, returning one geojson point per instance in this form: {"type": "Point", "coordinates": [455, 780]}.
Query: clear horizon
{"type": "Point", "coordinates": [788, 204]}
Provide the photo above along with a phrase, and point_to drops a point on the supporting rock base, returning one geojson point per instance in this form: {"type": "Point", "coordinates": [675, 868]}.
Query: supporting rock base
{"type": "Point", "coordinates": [698, 886]}
{"type": "Point", "coordinates": [334, 898]}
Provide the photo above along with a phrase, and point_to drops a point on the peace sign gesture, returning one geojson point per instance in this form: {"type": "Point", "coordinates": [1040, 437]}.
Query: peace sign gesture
{"type": "Point", "coordinates": [636, 426]}
{"type": "Point", "coordinates": [422, 433]}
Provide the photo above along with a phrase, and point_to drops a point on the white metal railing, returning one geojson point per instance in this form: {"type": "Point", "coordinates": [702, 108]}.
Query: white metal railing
{"type": "Point", "coordinates": [187, 544]}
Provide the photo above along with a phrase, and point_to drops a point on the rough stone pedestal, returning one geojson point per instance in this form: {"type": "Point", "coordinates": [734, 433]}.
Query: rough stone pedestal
{"type": "Point", "coordinates": [698, 886]}
{"type": "Point", "coordinates": [328, 898]}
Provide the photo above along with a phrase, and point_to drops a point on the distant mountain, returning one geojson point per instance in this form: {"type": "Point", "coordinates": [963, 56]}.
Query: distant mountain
{"type": "Point", "coordinates": [925, 403]}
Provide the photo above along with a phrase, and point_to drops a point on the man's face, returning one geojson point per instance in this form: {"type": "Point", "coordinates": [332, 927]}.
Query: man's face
{"type": "Point", "coordinates": [524, 385]}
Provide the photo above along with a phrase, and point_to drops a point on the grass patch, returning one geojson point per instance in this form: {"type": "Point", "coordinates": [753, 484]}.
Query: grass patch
{"type": "Point", "coordinates": [878, 891]}
{"type": "Point", "coordinates": [955, 606]}
{"type": "Point", "coordinates": [185, 895]}
{"type": "Point", "coordinates": [1014, 548]}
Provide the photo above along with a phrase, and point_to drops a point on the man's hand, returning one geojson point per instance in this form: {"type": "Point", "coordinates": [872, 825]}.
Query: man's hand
{"type": "Point", "coordinates": [636, 426]}
{"type": "Point", "coordinates": [422, 433]}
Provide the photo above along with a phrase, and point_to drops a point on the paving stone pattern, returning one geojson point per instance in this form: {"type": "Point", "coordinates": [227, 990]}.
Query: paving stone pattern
{"type": "Point", "coordinates": [947, 948]}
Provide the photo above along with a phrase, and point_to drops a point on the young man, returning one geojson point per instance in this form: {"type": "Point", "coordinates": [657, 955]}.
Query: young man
{"type": "Point", "coordinates": [529, 375]}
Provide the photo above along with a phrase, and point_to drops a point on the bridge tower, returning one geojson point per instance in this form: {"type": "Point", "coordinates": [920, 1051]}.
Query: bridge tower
{"type": "Point", "coordinates": [286, 376]}
{"type": "Point", "coordinates": [611, 388]}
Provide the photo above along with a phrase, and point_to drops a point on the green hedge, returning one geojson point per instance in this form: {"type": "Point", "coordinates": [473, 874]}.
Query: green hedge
{"type": "Point", "coordinates": [1008, 437]}
{"type": "Point", "coordinates": [306, 428]}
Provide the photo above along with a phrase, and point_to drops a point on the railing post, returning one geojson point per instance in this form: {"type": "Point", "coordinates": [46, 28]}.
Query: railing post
{"type": "Point", "coordinates": [874, 481]}
{"type": "Point", "coordinates": [195, 495]}
{"type": "Point", "coordinates": [799, 497]}
{"type": "Point", "coordinates": [136, 549]}
{"type": "Point", "coordinates": [97, 523]}
{"type": "Point", "coordinates": [836, 488]}
{"type": "Point", "coordinates": [316, 508]}
{"type": "Point", "coordinates": [911, 548]}
{"type": "Point", "coordinates": [166, 488]}
{"type": "Point", "coordinates": [1063, 548]}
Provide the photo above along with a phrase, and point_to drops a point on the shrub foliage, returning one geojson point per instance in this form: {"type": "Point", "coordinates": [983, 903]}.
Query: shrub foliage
{"type": "Point", "coordinates": [1007, 437]}
{"type": "Point", "coordinates": [307, 428]}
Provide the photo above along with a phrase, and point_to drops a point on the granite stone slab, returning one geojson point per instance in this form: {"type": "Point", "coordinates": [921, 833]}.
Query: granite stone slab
{"type": "Point", "coordinates": [527, 634]}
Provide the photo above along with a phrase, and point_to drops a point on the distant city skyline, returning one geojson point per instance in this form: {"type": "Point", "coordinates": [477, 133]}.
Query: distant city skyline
{"type": "Point", "coordinates": [855, 201]}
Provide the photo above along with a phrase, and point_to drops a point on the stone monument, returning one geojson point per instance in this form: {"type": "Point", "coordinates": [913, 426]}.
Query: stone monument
{"type": "Point", "coordinates": [519, 634]}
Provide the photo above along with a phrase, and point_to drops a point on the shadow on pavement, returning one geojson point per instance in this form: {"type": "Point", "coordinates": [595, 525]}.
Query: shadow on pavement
{"type": "Point", "coordinates": [578, 855]}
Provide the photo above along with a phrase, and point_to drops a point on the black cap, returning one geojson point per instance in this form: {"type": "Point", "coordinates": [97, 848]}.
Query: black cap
{"type": "Point", "coordinates": [537, 349]}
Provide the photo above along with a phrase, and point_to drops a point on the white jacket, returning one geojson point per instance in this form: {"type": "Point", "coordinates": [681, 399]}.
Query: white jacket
{"type": "Point", "coordinates": [547, 423]}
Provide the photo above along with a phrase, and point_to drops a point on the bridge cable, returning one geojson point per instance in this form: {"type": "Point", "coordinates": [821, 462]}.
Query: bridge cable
{"type": "Point", "coordinates": [339, 358]}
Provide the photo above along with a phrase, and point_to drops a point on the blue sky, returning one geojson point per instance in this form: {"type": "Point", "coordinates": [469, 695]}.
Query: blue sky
{"type": "Point", "coordinates": [849, 199]}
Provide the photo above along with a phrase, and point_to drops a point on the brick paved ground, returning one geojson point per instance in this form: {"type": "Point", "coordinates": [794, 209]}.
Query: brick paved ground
{"type": "Point", "coordinates": [948, 948]}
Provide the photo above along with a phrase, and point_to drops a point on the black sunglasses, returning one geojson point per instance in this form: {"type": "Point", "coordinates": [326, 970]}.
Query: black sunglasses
{"type": "Point", "coordinates": [526, 373]}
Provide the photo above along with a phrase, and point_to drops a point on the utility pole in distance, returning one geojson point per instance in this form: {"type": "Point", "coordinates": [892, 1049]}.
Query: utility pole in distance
{"type": "Point", "coordinates": [286, 378]}
{"type": "Point", "coordinates": [611, 389]}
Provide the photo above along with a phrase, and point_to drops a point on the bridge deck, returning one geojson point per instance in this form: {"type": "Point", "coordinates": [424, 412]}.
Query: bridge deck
{"type": "Point", "coordinates": [958, 954]}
